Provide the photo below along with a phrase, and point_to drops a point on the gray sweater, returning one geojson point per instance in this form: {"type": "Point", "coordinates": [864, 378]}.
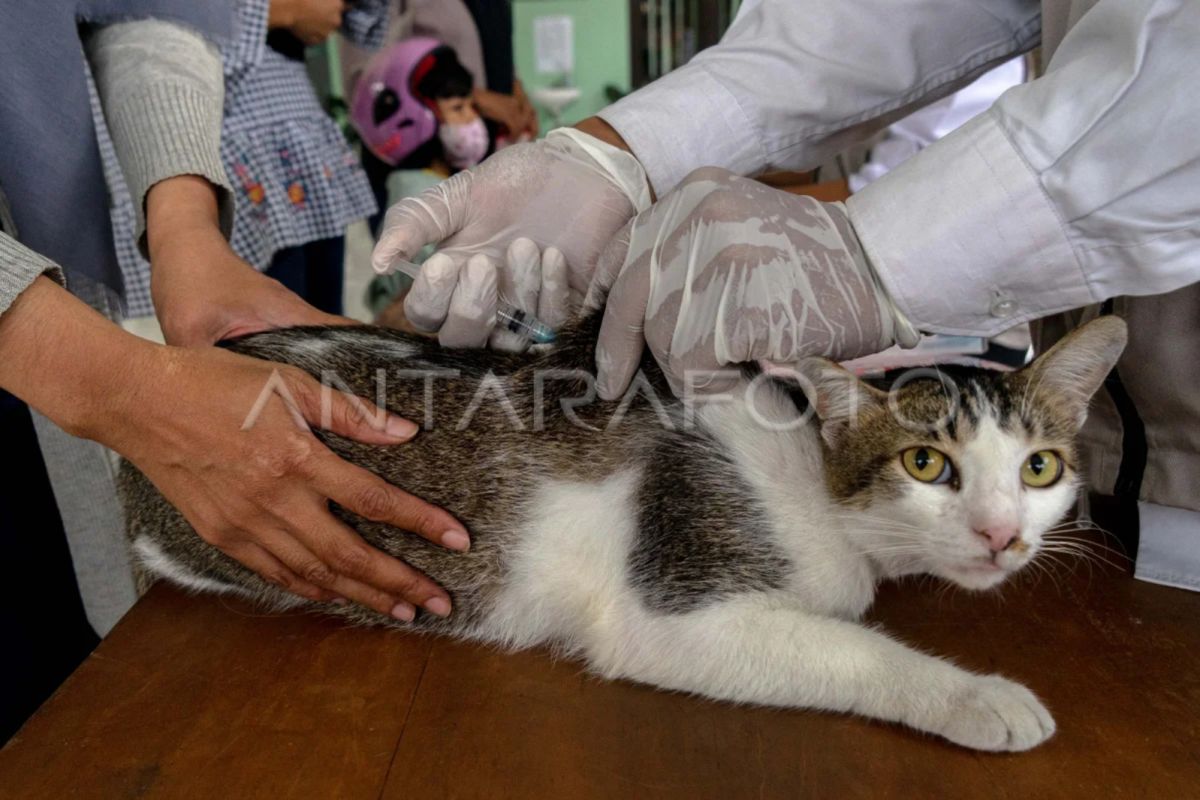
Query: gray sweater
{"type": "Point", "coordinates": [162, 89]}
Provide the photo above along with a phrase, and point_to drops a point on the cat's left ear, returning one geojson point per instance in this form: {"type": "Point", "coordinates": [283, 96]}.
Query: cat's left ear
{"type": "Point", "coordinates": [1070, 372]}
{"type": "Point", "coordinates": [838, 397]}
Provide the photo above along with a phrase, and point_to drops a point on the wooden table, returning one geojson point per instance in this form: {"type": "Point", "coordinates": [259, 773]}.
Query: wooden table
{"type": "Point", "coordinates": [203, 697]}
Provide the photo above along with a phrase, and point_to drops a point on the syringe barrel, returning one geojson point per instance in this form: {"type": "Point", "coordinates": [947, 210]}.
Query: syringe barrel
{"type": "Point", "coordinates": [514, 319]}
{"type": "Point", "coordinates": [509, 317]}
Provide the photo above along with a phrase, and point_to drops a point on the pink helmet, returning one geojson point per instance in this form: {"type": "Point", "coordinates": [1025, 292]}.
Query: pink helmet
{"type": "Point", "coordinates": [386, 108]}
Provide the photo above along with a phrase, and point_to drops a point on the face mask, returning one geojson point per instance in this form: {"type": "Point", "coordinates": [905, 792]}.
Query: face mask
{"type": "Point", "coordinates": [466, 144]}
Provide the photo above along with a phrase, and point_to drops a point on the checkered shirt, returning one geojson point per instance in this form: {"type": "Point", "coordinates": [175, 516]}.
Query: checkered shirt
{"type": "Point", "coordinates": [295, 178]}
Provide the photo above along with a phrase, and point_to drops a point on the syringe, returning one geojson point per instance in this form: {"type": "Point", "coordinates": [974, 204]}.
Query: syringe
{"type": "Point", "coordinates": [508, 317]}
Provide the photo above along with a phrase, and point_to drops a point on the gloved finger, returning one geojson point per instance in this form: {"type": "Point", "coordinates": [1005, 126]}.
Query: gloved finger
{"type": "Point", "coordinates": [472, 313]}
{"type": "Point", "coordinates": [518, 285]}
{"type": "Point", "coordinates": [608, 267]}
{"type": "Point", "coordinates": [622, 337]}
{"type": "Point", "coordinates": [554, 304]}
{"type": "Point", "coordinates": [706, 377]}
{"type": "Point", "coordinates": [428, 218]}
{"type": "Point", "coordinates": [428, 302]}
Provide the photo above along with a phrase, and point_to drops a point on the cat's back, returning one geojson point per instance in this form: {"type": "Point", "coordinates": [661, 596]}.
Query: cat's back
{"type": "Point", "coordinates": [655, 507]}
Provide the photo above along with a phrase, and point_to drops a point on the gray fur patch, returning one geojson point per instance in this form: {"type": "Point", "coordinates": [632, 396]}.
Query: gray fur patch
{"type": "Point", "coordinates": [701, 535]}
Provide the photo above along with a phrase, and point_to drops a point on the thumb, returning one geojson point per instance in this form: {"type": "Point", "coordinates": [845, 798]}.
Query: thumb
{"type": "Point", "coordinates": [608, 267]}
{"type": "Point", "coordinates": [434, 215]}
{"type": "Point", "coordinates": [323, 405]}
{"type": "Point", "coordinates": [622, 332]}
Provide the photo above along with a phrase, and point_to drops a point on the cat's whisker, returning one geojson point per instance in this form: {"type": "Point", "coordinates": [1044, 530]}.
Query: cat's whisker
{"type": "Point", "coordinates": [1037, 571]}
{"type": "Point", "coordinates": [1051, 569]}
{"type": "Point", "coordinates": [888, 522]}
{"type": "Point", "coordinates": [1081, 553]}
{"type": "Point", "coordinates": [1083, 544]}
{"type": "Point", "coordinates": [1091, 527]}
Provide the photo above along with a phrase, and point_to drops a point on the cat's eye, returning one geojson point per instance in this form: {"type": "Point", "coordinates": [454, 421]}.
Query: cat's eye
{"type": "Point", "coordinates": [927, 465]}
{"type": "Point", "coordinates": [1042, 469]}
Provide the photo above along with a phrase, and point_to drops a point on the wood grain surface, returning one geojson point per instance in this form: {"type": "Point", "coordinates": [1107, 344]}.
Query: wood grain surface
{"type": "Point", "coordinates": [199, 697]}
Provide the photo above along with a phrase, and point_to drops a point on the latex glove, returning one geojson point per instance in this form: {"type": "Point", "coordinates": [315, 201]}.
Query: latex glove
{"type": "Point", "coordinates": [724, 270]}
{"type": "Point", "coordinates": [569, 191]}
{"type": "Point", "coordinates": [459, 301]}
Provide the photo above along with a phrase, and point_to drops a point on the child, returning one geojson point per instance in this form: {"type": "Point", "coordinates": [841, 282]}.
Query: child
{"type": "Point", "coordinates": [412, 106]}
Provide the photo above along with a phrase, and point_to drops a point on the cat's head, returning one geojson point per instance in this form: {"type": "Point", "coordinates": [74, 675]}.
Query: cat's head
{"type": "Point", "coordinates": [960, 473]}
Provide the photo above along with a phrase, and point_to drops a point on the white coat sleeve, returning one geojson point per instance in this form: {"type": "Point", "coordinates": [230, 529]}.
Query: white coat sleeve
{"type": "Point", "coordinates": [794, 82]}
{"type": "Point", "coordinates": [1073, 188]}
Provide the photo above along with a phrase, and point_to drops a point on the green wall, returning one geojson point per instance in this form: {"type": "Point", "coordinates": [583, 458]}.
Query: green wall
{"type": "Point", "coordinates": [601, 49]}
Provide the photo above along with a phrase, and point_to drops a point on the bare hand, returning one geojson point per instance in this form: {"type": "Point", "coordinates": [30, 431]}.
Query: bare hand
{"type": "Point", "coordinates": [310, 20]}
{"type": "Point", "coordinates": [258, 487]}
{"type": "Point", "coordinates": [204, 293]}
{"type": "Point", "coordinates": [530, 125]}
{"type": "Point", "coordinates": [503, 109]}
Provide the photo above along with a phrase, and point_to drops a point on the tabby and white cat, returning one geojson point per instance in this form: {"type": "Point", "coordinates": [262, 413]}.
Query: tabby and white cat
{"type": "Point", "coordinates": [723, 550]}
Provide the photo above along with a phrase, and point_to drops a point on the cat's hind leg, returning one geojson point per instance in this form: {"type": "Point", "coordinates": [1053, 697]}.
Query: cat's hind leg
{"type": "Point", "coordinates": [751, 650]}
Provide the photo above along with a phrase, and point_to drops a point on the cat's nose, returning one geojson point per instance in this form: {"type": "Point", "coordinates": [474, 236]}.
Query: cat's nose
{"type": "Point", "coordinates": [999, 537]}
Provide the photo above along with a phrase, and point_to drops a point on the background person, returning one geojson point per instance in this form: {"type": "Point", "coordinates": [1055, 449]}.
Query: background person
{"type": "Point", "coordinates": [297, 184]}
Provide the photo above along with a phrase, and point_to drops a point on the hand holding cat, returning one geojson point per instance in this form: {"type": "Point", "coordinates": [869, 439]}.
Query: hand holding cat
{"type": "Point", "coordinates": [569, 191]}
{"type": "Point", "coordinates": [723, 270]}
{"type": "Point", "coordinates": [227, 440]}
{"type": "Point", "coordinates": [203, 292]}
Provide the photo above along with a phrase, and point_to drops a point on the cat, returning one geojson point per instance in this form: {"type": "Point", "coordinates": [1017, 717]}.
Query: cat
{"type": "Point", "coordinates": [725, 549]}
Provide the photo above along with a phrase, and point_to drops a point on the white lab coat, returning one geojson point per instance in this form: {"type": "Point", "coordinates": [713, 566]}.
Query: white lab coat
{"type": "Point", "coordinates": [1079, 186]}
{"type": "Point", "coordinates": [909, 136]}
{"type": "Point", "coordinates": [1076, 187]}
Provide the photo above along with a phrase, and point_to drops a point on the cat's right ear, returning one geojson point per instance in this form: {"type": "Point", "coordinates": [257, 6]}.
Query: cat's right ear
{"type": "Point", "coordinates": [837, 396]}
{"type": "Point", "coordinates": [1070, 372]}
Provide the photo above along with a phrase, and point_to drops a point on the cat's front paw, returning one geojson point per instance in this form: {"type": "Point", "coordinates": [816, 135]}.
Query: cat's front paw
{"type": "Point", "coordinates": [994, 713]}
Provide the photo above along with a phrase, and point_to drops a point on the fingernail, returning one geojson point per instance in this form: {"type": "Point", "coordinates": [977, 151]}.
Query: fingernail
{"type": "Point", "coordinates": [400, 428]}
{"type": "Point", "coordinates": [456, 540]}
{"type": "Point", "coordinates": [439, 606]}
{"type": "Point", "coordinates": [340, 601]}
{"type": "Point", "coordinates": [404, 612]}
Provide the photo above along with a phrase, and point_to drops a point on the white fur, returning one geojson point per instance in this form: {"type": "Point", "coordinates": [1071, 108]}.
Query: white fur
{"type": "Point", "coordinates": [796, 646]}
{"type": "Point", "coordinates": [154, 559]}
{"type": "Point", "coordinates": [930, 526]}
{"type": "Point", "coordinates": [391, 348]}
{"type": "Point", "coordinates": [567, 582]}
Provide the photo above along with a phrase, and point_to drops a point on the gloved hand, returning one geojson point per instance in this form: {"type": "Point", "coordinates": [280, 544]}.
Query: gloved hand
{"type": "Point", "coordinates": [569, 191]}
{"type": "Point", "coordinates": [723, 270]}
{"type": "Point", "coordinates": [460, 301]}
